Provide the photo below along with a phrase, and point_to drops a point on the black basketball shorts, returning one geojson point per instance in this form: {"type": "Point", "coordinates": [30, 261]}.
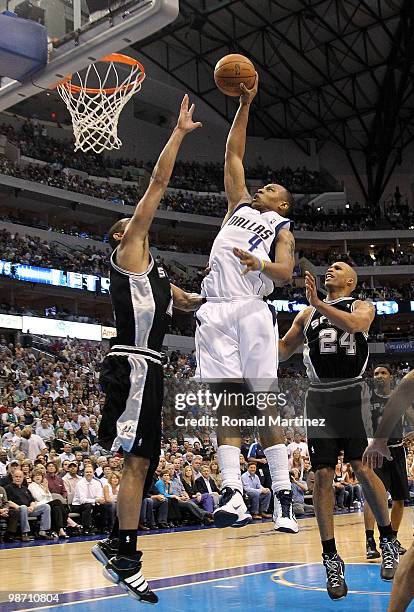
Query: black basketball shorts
{"type": "Point", "coordinates": [338, 423]}
{"type": "Point", "coordinates": [132, 380]}
{"type": "Point", "coordinates": [394, 474]}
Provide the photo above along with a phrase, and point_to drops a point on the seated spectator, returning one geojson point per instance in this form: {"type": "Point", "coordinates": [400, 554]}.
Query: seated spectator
{"type": "Point", "coordinates": [13, 466]}
{"type": "Point", "coordinates": [59, 440]}
{"type": "Point", "coordinates": [101, 462]}
{"type": "Point", "coordinates": [299, 488]}
{"type": "Point", "coordinates": [175, 493]}
{"type": "Point", "coordinates": [27, 467]}
{"type": "Point", "coordinates": [54, 481]}
{"type": "Point", "coordinates": [70, 481]}
{"type": "Point", "coordinates": [154, 511]}
{"type": "Point", "coordinates": [215, 474]}
{"type": "Point", "coordinates": [87, 499]}
{"type": "Point", "coordinates": [85, 447]}
{"type": "Point", "coordinates": [45, 431]}
{"type": "Point", "coordinates": [296, 462]}
{"type": "Point", "coordinates": [162, 486]}
{"type": "Point", "coordinates": [259, 497]}
{"type": "Point", "coordinates": [84, 433]}
{"type": "Point", "coordinates": [205, 500]}
{"type": "Point", "coordinates": [64, 468]}
{"type": "Point", "coordinates": [59, 513]}
{"type": "Point", "coordinates": [67, 454]}
{"type": "Point", "coordinates": [243, 464]}
{"type": "Point", "coordinates": [20, 499]}
{"type": "Point", "coordinates": [3, 463]}
{"type": "Point", "coordinates": [354, 488]}
{"type": "Point", "coordinates": [205, 484]}
{"type": "Point", "coordinates": [110, 491]}
{"type": "Point", "coordinates": [339, 488]}
{"type": "Point", "coordinates": [196, 464]}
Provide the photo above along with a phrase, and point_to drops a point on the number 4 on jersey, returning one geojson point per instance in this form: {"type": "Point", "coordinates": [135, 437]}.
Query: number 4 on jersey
{"type": "Point", "coordinates": [255, 242]}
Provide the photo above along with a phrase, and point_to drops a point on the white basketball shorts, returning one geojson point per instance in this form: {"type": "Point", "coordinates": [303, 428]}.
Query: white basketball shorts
{"type": "Point", "coordinates": [237, 340]}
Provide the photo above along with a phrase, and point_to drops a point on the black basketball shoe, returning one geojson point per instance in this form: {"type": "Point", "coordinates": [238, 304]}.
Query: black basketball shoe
{"type": "Point", "coordinates": [105, 550]}
{"type": "Point", "coordinates": [372, 551]}
{"type": "Point", "coordinates": [390, 558]}
{"type": "Point", "coordinates": [126, 572]}
{"type": "Point", "coordinates": [401, 549]}
{"type": "Point", "coordinates": [335, 574]}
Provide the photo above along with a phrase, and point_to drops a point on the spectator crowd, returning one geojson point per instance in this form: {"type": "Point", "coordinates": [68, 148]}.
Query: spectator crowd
{"type": "Point", "coordinates": [56, 481]}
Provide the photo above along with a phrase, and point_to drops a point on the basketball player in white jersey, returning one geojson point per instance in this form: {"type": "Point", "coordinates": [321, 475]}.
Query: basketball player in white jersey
{"type": "Point", "coordinates": [236, 335]}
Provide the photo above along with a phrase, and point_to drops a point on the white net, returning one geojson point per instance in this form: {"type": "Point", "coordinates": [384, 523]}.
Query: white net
{"type": "Point", "coordinates": [95, 100]}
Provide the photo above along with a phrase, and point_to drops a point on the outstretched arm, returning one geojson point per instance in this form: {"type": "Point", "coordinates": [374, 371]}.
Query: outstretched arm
{"type": "Point", "coordinates": [187, 302]}
{"type": "Point", "coordinates": [138, 227]}
{"type": "Point", "coordinates": [359, 320]}
{"type": "Point", "coordinates": [234, 179]}
{"type": "Point", "coordinates": [293, 338]}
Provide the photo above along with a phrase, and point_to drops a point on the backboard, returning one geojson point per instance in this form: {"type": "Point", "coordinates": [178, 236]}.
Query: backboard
{"type": "Point", "coordinates": [78, 37]}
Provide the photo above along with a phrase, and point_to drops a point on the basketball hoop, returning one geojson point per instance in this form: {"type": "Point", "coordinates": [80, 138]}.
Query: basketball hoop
{"type": "Point", "coordinates": [95, 110]}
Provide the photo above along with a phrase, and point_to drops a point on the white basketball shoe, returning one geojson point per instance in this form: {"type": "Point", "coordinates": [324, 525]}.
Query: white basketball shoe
{"type": "Point", "coordinates": [283, 516]}
{"type": "Point", "coordinates": [232, 511]}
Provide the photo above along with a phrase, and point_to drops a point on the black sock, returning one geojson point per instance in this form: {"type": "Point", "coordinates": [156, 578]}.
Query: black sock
{"type": "Point", "coordinates": [385, 532]}
{"type": "Point", "coordinates": [395, 533]}
{"type": "Point", "coordinates": [127, 542]}
{"type": "Point", "coordinates": [369, 534]}
{"type": "Point", "coordinates": [329, 547]}
{"type": "Point", "coordinates": [115, 529]}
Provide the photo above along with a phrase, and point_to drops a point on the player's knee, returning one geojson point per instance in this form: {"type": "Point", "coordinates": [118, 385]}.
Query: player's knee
{"type": "Point", "coordinates": [361, 470]}
{"type": "Point", "coordinates": [136, 466]}
{"type": "Point", "coordinates": [324, 477]}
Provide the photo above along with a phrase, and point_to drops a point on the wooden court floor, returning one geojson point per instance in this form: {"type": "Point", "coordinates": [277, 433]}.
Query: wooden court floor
{"type": "Point", "coordinates": [70, 566]}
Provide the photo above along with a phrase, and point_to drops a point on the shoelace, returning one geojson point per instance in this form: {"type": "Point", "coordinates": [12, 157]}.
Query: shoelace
{"type": "Point", "coordinates": [388, 556]}
{"type": "Point", "coordinates": [333, 572]}
{"type": "Point", "coordinates": [286, 505]}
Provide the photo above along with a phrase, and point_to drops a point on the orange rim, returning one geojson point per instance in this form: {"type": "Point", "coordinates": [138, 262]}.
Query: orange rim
{"type": "Point", "coordinates": [113, 57]}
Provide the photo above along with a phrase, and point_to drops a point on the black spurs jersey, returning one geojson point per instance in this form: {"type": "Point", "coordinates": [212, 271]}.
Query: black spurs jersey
{"type": "Point", "coordinates": [142, 305]}
{"type": "Point", "coordinates": [331, 354]}
{"type": "Point", "coordinates": [377, 410]}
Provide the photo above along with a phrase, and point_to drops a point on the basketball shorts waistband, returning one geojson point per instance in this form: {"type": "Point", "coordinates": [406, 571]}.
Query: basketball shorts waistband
{"type": "Point", "coordinates": [123, 350]}
{"type": "Point", "coordinates": [241, 298]}
{"type": "Point", "coordinates": [336, 385]}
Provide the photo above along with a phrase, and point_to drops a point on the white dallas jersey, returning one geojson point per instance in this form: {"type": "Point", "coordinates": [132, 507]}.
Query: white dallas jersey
{"type": "Point", "coordinates": [252, 231]}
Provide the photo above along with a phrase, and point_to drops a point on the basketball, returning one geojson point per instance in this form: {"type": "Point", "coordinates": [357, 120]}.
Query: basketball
{"type": "Point", "coordinates": [232, 70]}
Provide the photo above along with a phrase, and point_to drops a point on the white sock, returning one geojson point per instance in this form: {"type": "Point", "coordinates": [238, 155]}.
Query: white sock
{"type": "Point", "coordinates": [228, 458]}
{"type": "Point", "coordinates": [277, 458]}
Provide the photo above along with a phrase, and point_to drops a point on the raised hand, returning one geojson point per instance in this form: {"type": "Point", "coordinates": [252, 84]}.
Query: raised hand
{"type": "Point", "coordinates": [311, 291]}
{"type": "Point", "coordinates": [185, 119]}
{"type": "Point", "coordinates": [248, 95]}
{"type": "Point", "coordinates": [251, 262]}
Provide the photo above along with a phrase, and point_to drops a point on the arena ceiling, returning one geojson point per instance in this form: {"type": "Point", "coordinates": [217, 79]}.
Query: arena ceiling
{"type": "Point", "coordinates": [330, 70]}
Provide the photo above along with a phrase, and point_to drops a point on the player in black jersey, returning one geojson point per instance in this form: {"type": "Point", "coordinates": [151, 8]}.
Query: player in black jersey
{"type": "Point", "coordinates": [334, 335]}
{"type": "Point", "coordinates": [392, 473]}
{"type": "Point", "coordinates": [400, 402]}
{"type": "Point", "coordinates": [132, 374]}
